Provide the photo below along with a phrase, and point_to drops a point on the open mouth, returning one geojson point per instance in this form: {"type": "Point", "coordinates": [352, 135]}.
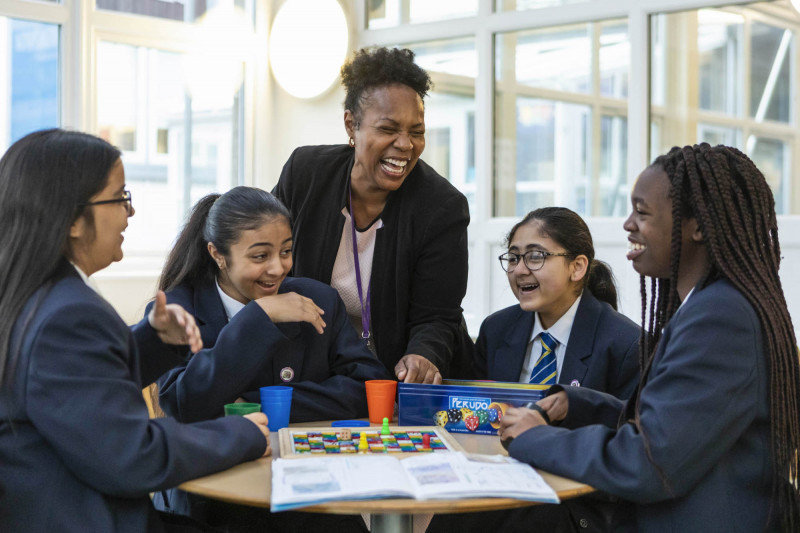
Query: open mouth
{"type": "Point", "coordinates": [635, 249]}
{"type": "Point", "coordinates": [266, 285]}
{"type": "Point", "coordinates": [528, 288]}
{"type": "Point", "coordinates": [392, 166]}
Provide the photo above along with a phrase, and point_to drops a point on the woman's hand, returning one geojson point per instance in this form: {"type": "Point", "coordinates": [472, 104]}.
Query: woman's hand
{"type": "Point", "coordinates": [291, 307]}
{"type": "Point", "coordinates": [174, 324]}
{"type": "Point", "coordinates": [555, 405]}
{"type": "Point", "coordinates": [260, 420]}
{"type": "Point", "coordinates": [413, 368]}
{"type": "Point", "coordinates": [518, 420]}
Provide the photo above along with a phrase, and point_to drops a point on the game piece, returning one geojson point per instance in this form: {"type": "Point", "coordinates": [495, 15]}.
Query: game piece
{"type": "Point", "coordinates": [345, 434]}
{"type": "Point", "coordinates": [426, 441]}
{"type": "Point", "coordinates": [440, 418]}
{"type": "Point", "coordinates": [385, 429]}
{"type": "Point", "coordinates": [453, 415]}
{"type": "Point", "coordinates": [362, 443]}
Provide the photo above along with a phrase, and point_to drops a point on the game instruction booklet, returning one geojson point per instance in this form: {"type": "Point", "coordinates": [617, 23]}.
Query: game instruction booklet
{"type": "Point", "coordinates": [450, 475]}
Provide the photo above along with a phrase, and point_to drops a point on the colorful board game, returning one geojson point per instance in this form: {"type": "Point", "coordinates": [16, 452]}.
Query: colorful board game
{"type": "Point", "coordinates": [305, 442]}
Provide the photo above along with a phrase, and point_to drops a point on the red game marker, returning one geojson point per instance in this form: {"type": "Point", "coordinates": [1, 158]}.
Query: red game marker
{"type": "Point", "coordinates": [426, 441]}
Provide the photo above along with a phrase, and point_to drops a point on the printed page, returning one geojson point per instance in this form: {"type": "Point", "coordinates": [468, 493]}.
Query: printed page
{"type": "Point", "coordinates": [457, 475]}
{"type": "Point", "coordinates": [303, 482]}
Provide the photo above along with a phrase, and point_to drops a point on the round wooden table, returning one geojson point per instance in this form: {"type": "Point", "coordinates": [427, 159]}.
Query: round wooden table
{"type": "Point", "coordinates": [250, 484]}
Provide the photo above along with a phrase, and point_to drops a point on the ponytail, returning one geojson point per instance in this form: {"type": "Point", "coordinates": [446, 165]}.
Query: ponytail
{"type": "Point", "coordinates": [600, 281]}
{"type": "Point", "coordinates": [189, 258]}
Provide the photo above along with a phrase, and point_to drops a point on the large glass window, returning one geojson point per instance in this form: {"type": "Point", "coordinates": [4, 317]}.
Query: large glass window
{"type": "Point", "coordinates": [175, 149]}
{"type": "Point", "coordinates": [743, 59]}
{"type": "Point", "coordinates": [29, 73]}
{"type": "Point", "coordinates": [523, 5]}
{"type": "Point", "coordinates": [389, 13]}
{"type": "Point", "coordinates": [185, 10]}
{"type": "Point", "coordinates": [560, 119]}
{"type": "Point", "coordinates": [450, 110]}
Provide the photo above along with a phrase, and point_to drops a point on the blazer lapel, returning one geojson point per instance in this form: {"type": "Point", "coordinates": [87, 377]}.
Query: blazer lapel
{"type": "Point", "coordinates": [209, 313]}
{"type": "Point", "coordinates": [508, 359]}
{"type": "Point", "coordinates": [287, 361]}
{"type": "Point", "coordinates": [581, 340]}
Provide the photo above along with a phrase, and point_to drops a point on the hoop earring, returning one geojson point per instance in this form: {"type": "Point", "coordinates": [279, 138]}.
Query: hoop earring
{"type": "Point", "coordinates": [352, 142]}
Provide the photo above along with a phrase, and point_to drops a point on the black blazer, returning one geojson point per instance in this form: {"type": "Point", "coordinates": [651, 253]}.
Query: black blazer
{"type": "Point", "coordinates": [250, 351]}
{"type": "Point", "coordinates": [77, 449]}
{"type": "Point", "coordinates": [705, 413]}
{"type": "Point", "coordinates": [602, 350]}
{"type": "Point", "coordinates": [419, 269]}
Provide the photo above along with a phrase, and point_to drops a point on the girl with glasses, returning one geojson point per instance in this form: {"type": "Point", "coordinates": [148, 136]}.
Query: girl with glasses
{"type": "Point", "coordinates": [78, 451]}
{"type": "Point", "coordinates": [568, 299]}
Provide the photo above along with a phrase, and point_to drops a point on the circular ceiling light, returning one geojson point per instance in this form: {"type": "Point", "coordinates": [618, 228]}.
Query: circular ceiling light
{"type": "Point", "coordinates": [307, 46]}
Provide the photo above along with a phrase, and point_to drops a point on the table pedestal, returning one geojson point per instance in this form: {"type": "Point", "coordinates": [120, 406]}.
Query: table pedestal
{"type": "Point", "coordinates": [391, 523]}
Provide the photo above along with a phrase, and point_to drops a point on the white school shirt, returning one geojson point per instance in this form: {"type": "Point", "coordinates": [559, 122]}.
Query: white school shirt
{"type": "Point", "coordinates": [231, 305]}
{"type": "Point", "coordinates": [560, 332]}
{"type": "Point", "coordinates": [343, 276]}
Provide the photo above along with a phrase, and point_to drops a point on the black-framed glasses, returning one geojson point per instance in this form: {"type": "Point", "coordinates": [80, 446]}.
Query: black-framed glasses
{"type": "Point", "coordinates": [126, 197]}
{"type": "Point", "coordinates": [533, 259]}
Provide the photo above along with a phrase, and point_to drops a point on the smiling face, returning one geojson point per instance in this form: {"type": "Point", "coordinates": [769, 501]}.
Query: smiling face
{"type": "Point", "coordinates": [551, 290]}
{"type": "Point", "coordinates": [649, 225]}
{"type": "Point", "coordinates": [389, 138]}
{"type": "Point", "coordinates": [95, 245]}
{"type": "Point", "coordinates": [257, 263]}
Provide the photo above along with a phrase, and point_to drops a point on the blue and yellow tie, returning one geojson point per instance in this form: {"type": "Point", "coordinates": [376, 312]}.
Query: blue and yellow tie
{"type": "Point", "coordinates": [545, 370]}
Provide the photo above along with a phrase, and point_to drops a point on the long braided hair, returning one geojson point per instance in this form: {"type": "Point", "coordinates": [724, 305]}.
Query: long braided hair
{"type": "Point", "coordinates": [730, 199]}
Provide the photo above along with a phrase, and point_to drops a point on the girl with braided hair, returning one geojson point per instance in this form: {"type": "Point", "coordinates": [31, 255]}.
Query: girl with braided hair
{"type": "Point", "coordinates": [710, 442]}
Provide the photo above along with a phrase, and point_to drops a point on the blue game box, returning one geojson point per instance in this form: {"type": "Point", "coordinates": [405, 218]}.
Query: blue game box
{"type": "Point", "coordinates": [462, 406]}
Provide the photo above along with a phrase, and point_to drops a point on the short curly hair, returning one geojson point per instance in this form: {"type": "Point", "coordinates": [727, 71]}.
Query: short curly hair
{"type": "Point", "coordinates": [378, 67]}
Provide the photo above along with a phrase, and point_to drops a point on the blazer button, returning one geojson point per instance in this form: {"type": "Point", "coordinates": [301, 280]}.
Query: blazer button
{"type": "Point", "coordinates": [583, 523]}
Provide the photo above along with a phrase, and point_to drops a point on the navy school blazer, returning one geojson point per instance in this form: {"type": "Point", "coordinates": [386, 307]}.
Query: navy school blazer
{"type": "Point", "coordinates": [602, 350]}
{"type": "Point", "coordinates": [78, 451]}
{"type": "Point", "coordinates": [327, 371]}
{"type": "Point", "coordinates": [704, 410]}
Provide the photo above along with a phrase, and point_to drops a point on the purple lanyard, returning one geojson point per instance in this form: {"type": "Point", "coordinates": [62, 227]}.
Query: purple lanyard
{"type": "Point", "coordinates": [365, 334]}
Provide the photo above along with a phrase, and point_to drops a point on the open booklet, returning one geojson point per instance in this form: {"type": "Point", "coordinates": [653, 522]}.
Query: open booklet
{"type": "Point", "coordinates": [302, 482]}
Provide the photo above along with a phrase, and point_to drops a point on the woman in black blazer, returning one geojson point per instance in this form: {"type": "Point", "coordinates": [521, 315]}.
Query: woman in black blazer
{"type": "Point", "coordinates": [78, 451]}
{"type": "Point", "coordinates": [409, 222]}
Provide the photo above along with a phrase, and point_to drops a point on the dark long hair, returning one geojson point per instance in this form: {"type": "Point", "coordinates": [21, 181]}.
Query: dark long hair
{"type": "Point", "coordinates": [379, 67]}
{"type": "Point", "coordinates": [219, 219]}
{"type": "Point", "coordinates": [723, 190]}
{"type": "Point", "coordinates": [568, 229]}
{"type": "Point", "coordinates": [45, 177]}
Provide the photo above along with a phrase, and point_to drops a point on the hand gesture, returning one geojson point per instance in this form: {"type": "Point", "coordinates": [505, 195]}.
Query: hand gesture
{"type": "Point", "coordinates": [291, 307]}
{"type": "Point", "coordinates": [413, 368]}
{"type": "Point", "coordinates": [260, 420]}
{"type": "Point", "coordinates": [174, 324]}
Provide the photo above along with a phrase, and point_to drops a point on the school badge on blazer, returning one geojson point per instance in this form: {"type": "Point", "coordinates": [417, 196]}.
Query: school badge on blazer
{"type": "Point", "coordinates": [287, 374]}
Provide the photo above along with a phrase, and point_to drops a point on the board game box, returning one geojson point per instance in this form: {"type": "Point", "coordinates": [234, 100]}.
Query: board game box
{"type": "Point", "coordinates": [463, 406]}
{"type": "Point", "coordinates": [320, 441]}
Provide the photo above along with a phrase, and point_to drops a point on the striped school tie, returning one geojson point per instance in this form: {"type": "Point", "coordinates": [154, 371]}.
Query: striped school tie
{"type": "Point", "coordinates": [545, 370]}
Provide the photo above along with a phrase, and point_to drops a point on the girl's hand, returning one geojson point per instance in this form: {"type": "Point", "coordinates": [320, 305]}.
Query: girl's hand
{"type": "Point", "coordinates": [260, 420]}
{"type": "Point", "coordinates": [174, 324]}
{"type": "Point", "coordinates": [556, 406]}
{"type": "Point", "coordinates": [291, 307]}
{"type": "Point", "coordinates": [518, 420]}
